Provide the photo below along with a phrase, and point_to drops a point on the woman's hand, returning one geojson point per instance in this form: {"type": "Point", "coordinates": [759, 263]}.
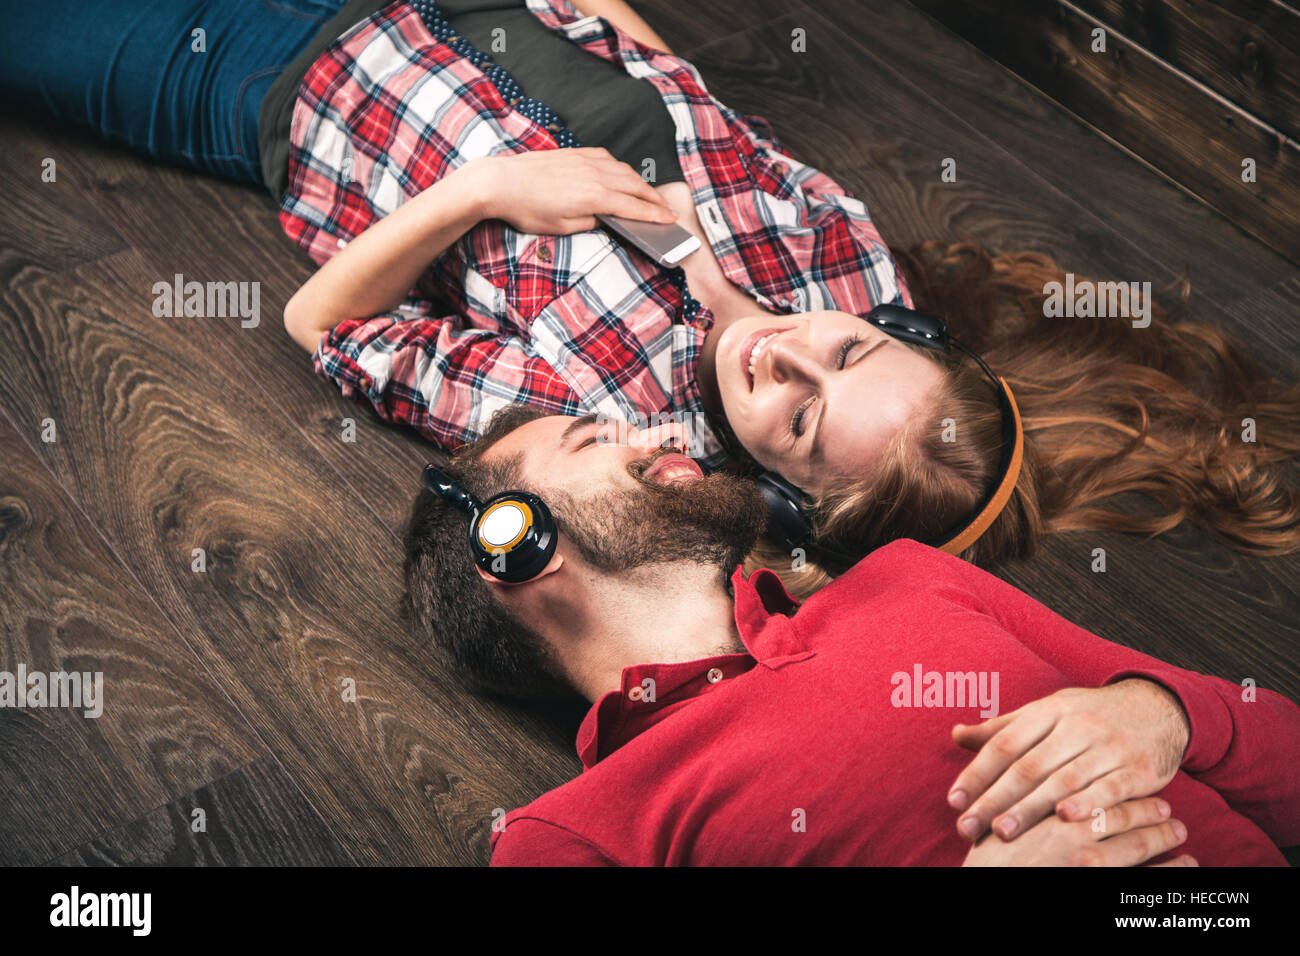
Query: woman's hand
{"type": "Point", "coordinates": [1125, 835]}
{"type": "Point", "coordinates": [559, 191]}
{"type": "Point", "coordinates": [1068, 752]}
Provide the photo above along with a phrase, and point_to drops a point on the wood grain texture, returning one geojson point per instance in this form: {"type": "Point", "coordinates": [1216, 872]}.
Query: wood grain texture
{"type": "Point", "coordinates": [1182, 129]}
{"type": "Point", "coordinates": [184, 433]}
{"type": "Point", "coordinates": [1162, 230]}
{"type": "Point", "coordinates": [301, 584]}
{"type": "Point", "coordinates": [68, 604]}
{"type": "Point", "coordinates": [1246, 50]}
{"type": "Point", "coordinates": [255, 816]}
{"type": "Point", "coordinates": [172, 223]}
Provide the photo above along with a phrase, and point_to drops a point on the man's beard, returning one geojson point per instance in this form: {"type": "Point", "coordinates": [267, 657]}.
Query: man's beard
{"type": "Point", "coordinates": [715, 520]}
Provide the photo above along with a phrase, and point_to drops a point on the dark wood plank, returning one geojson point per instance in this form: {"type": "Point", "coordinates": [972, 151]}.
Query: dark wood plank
{"type": "Point", "coordinates": [1181, 598]}
{"type": "Point", "coordinates": [687, 27]}
{"type": "Point", "coordinates": [1245, 50]}
{"type": "Point", "coordinates": [1186, 131]}
{"type": "Point", "coordinates": [255, 816]}
{"type": "Point", "coordinates": [1162, 229]}
{"type": "Point", "coordinates": [68, 604]}
{"type": "Point", "coordinates": [49, 220]}
{"type": "Point", "coordinates": [168, 451]}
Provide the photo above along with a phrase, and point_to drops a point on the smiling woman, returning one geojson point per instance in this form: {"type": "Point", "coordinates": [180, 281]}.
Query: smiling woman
{"type": "Point", "coordinates": [1171, 411]}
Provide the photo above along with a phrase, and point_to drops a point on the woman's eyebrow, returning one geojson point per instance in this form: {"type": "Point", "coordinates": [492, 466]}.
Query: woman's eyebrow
{"type": "Point", "coordinates": [815, 452]}
{"type": "Point", "coordinates": [574, 425]}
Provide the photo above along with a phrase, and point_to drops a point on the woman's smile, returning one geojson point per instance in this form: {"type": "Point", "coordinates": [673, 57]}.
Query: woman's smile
{"type": "Point", "coordinates": [750, 350]}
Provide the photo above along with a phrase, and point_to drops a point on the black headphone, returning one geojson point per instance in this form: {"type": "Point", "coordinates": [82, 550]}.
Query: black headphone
{"type": "Point", "coordinates": [511, 535]}
{"type": "Point", "coordinates": [789, 523]}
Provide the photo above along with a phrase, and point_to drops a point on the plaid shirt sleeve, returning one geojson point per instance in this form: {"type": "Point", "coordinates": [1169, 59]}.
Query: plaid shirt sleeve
{"type": "Point", "coordinates": [429, 372]}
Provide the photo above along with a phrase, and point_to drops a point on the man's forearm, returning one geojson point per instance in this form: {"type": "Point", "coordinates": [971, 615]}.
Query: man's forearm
{"type": "Point", "coordinates": [374, 272]}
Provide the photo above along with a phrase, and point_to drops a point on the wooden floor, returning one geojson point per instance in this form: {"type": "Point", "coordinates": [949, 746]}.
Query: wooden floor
{"type": "Point", "coordinates": [225, 688]}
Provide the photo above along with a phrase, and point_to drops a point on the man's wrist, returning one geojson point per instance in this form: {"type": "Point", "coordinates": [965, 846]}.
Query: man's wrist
{"type": "Point", "coordinates": [1179, 717]}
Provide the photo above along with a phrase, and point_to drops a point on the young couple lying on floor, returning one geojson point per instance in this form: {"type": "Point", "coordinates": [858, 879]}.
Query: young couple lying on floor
{"type": "Point", "coordinates": [729, 726]}
{"type": "Point", "coordinates": [448, 186]}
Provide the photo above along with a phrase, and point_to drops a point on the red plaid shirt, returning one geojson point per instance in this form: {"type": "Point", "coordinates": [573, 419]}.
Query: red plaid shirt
{"type": "Point", "coordinates": [574, 324]}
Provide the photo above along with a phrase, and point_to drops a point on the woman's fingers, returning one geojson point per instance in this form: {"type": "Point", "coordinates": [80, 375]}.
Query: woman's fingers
{"type": "Point", "coordinates": [1132, 832]}
{"type": "Point", "coordinates": [1185, 860]}
{"type": "Point", "coordinates": [1131, 815]}
{"type": "Point", "coordinates": [618, 203]}
{"type": "Point", "coordinates": [1144, 843]}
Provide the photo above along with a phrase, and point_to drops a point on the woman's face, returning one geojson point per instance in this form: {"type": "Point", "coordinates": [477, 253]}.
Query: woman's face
{"type": "Point", "coordinates": [818, 395]}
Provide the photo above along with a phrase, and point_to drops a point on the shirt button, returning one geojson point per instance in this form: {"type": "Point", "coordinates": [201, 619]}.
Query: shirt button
{"type": "Point", "coordinates": [553, 127]}
{"type": "Point", "coordinates": [779, 169]}
{"type": "Point", "coordinates": [635, 693]}
{"type": "Point", "coordinates": [453, 38]}
{"type": "Point", "coordinates": [714, 675]}
{"type": "Point", "coordinates": [544, 253]}
{"type": "Point", "coordinates": [515, 101]}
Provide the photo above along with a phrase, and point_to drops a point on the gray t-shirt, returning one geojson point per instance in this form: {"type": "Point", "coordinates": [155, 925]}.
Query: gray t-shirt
{"type": "Point", "coordinates": [597, 100]}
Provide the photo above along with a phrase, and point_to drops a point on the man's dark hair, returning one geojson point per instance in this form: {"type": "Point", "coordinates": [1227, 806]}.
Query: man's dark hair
{"type": "Point", "coordinates": [474, 634]}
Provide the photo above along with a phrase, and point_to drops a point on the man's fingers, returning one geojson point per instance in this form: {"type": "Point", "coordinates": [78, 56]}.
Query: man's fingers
{"type": "Point", "coordinates": [1104, 791]}
{"type": "Point", "coordinates": [1024, 775]}
{"type": "Point", "coordinates": [1004, 747]}
{"type": "Point", "coordinates": [974, 736]}
{"type": "Point", "coordinates": [1185, 860]}
{"type": "Point", "coordinates": [1066, 781]}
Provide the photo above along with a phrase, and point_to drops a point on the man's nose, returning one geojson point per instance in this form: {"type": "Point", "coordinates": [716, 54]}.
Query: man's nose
{"type": "Point", "coordinates": [660, 436]}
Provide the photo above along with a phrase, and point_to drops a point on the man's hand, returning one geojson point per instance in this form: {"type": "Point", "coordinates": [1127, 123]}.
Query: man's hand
{"type": "Point", "coordinates": [1134, 832]}
{"type": "Point", "coordinates": [1070, 752]}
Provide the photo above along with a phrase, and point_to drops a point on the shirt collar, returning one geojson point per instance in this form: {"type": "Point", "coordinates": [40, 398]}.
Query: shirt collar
{"type": "Point", "coordinates": [650, 692]}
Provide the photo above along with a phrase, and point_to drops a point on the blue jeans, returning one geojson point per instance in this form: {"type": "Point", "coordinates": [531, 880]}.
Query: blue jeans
{"type": "Point", "coordinates": [131, 71]}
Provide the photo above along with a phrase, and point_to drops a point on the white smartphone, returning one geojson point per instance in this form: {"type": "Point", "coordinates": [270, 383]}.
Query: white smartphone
{"type": "Point", "coordinates": [665, 242]}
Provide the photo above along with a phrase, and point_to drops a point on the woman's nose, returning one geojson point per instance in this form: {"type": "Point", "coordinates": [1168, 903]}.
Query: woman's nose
{"type": "Point", "coordinates": [791, 359]}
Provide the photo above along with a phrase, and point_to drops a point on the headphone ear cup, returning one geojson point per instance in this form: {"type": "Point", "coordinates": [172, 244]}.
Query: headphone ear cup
{"type": "Point", "coordinates": [787, 525]}
{"type": "Point", "coordinates": [513, 537]}
{"type": "Point", "coordinates": [909, 325]}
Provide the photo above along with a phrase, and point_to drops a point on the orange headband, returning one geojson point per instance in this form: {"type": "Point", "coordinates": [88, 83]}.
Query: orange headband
{"type": "Point", "coordinates": [1002, 494]}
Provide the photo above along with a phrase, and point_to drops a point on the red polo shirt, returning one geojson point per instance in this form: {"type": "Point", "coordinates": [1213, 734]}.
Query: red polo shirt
{"type": "Point", "coordinates": [805, 751]}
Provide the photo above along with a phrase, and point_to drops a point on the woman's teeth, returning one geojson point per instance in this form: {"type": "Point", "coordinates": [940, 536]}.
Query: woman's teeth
{"type": "Point", "coordinates": [758, 347]}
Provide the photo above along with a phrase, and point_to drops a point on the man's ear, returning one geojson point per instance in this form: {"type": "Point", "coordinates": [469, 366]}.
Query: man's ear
{"type": "Point", "coordinates": [552, 566]}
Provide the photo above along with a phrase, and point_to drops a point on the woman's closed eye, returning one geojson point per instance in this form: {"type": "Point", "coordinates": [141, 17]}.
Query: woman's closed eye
{"type": "Point", "coordinates": [800, 416]}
